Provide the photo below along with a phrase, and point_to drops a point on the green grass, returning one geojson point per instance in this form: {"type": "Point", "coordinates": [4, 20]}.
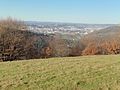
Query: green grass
{"type": "Point", "coordinates": [69, 73]}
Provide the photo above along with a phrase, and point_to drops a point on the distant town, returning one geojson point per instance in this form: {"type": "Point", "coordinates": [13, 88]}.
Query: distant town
{"type": "Point", "coordinates": [65, 28]}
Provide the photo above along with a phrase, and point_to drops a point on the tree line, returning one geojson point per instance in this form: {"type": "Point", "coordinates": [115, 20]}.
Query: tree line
{"type": "Point", "coordinates": [17, 43]}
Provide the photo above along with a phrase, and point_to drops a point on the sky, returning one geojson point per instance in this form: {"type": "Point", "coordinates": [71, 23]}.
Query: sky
{"type": "Point", "coordinates": [75, 11]}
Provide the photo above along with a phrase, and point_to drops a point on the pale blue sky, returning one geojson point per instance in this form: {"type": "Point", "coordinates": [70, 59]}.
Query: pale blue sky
{"type": "Point", "coordinates": [79, 11]}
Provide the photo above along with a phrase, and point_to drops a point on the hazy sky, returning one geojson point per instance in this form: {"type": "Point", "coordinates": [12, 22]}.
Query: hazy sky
{"type": "Point", "coordinates": [79, 11]}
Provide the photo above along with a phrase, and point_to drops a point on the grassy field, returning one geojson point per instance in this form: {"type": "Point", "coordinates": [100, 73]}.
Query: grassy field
{"type": "Point", "coordinates": [69, 73]}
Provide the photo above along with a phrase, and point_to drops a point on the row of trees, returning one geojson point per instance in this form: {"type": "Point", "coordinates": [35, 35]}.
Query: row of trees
{"type": "Point", "coordinates": [17, 43]}
{"type": "Point", "coordinates": [103, 48]}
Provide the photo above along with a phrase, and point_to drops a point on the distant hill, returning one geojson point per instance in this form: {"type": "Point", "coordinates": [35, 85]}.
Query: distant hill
{"type": "Point", "coordinates": [105, 41]}
{"type": "Point", "coordinates": [107, 33]}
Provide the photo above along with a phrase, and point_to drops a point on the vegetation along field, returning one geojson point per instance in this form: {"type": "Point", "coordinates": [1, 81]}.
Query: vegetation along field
{"type": "Point", "coordinates": [68, 73]}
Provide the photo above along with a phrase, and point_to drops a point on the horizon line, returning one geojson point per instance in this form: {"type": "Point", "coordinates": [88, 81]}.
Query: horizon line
{"type": "Point", "coordinates": [65, 22]}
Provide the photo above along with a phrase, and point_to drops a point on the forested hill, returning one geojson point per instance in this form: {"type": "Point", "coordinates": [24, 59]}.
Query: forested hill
{"type": "Point", "coordinates": [105, 41]}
